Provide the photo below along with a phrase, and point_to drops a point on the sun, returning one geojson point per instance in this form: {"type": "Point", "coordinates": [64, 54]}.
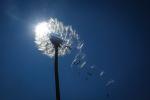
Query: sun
{"type": "Point", "coordinates": [41, 29]}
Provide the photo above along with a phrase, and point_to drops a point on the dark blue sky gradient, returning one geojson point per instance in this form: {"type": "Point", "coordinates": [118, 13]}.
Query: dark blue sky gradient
{"type": "Point", "coordinates": [116, 35]}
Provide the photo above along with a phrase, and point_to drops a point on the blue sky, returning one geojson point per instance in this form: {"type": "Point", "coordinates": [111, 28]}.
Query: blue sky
{"type": "Point", "coordinates": [116, 37]}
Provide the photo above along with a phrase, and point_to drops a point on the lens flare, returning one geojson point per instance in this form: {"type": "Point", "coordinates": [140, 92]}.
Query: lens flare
{"type": "Point", "coordinates": [52, 27]}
